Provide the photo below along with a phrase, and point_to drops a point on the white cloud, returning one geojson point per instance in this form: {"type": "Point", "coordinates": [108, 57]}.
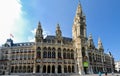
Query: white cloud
{"type": "Point", "coordinates": [11, 20]}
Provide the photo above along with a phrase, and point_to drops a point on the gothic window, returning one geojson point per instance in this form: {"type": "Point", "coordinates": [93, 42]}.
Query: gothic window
{"type": "Point", "coordinates": [73, 68]}
{"type": "Point", "coordinates": [44, 69]}
{"type": "Point", "coordinates": [39, 54]}
{"type": "Point", "coordinates": [12, 69]}
{"type": "Point", "coordinates": [68, 55]}
{"type": "Point", "coordinates": [31, 69]}
{"type": "Point", "coordinates": [20, 69]}
{"type": "Point", "coordinates": [59, 69]}
{"type": "Point", "coordinates": [81, 30]}
{"type": "Point", "coordinates": [53, 69]}
{"type": "Point", "coordinates": [48, 69]}
{"type": "Point", "coordinates": [24, 69]}
{"type": "Point", "coordinates": [49, 54]}
{"type": "Point", "coordinates": [44, 54]}
{"type": "Point", "coordinates": [59, 41]}
{"type": "Point", "coordinates": [65, 69]}
{"type": "Point", "coordinates": [64, 55]}
{"type": "Point", "coordinates": [69, 69]}
{"type": "Point", "coordinates": [28, 69]}
{"type": "Point", "coordinates": [53, 54]}
{"type": "Point", "coordinates": [72, 56]}
{"type": "Point", "coordinates": [37, 68]}
{"type": "Point", "coordinates": [59, 54]}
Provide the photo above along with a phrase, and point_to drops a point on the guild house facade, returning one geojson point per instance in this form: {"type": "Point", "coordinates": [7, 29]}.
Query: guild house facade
{"type": "Point", "coordinates": [56, 55]}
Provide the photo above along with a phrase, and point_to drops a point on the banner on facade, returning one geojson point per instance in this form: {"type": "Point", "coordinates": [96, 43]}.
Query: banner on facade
{"type": "Point", "coordinates": [85, 64]}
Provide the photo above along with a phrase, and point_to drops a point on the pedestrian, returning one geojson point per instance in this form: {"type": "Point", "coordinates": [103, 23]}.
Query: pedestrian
{"type": "Point", "coordinates": [99, 73]}
{"type": "Point", "coordinates": [105, 73]}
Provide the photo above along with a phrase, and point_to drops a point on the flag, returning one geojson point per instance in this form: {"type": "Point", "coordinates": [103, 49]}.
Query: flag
{"type": "Point", "coordinates": [11, 36]}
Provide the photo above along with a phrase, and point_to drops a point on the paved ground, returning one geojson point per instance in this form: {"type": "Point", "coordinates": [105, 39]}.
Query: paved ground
{"type": "Point", "coordinates": [115, 74]}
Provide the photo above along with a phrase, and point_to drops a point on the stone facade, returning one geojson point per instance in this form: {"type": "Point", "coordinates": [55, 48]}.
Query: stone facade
{"type": "Point", "coordinates": [56, 55]}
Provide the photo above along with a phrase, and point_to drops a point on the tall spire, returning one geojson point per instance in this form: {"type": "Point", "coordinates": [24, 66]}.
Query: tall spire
{"type": "Point", "coordinates": [100, 46]}
{"type": "Point", "coordinates": [79, 25]}
{"type": "Point", "coordinates": [79, 10]}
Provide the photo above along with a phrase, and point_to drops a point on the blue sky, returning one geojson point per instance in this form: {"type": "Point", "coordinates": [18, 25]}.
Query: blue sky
{"type": "Point", "coordinates": [20, 18]}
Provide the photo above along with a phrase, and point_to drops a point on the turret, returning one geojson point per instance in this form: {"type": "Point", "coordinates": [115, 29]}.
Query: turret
{"type": "Point", "coordinates": [100, 46]}
{"type": "Point", "coordinates": [90, 42]}
{"type": "Point", "coordinates": [58, 32]}
{"type": "Point", "coordinates": [39, 35]}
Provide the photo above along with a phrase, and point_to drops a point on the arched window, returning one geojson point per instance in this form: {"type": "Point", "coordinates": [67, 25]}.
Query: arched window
{"type": "Point", "coordinates": [20, 69]}
{"type": "Point", "coordinates": [44, 69]}
{"type": "Point", "coordinates": [72, 55]}
{"type": "Point", "coordinates": [59, 54]}
{"type": "Point", "coordinates": [59, 69]}
{"type": "Point", "coordinates": [28, 69]}
{"type": "Point", "coordinates": [53, 69]}
{"type": "Point", "coordinates": [73, 69]}
{"type": "Point", "coordinates": [53, 54]}
{"type": "Point", "coordinates": [65, 69]}
{"type": "Point", "coordinates": [38, 54]}
{"type": "Point", "coordinates": [16, 69]}
{"type": "Point", "coordinates": [69, 69]}
{"type": "Point", "coordinates": [37, 68]}
{"type": "Point", "coordinates": [49, 54]}
{"type": "Point", "coordinates": [82, 30]}
{"type": "Point", "coordinates": [68, 55]}
{"type": "Point", "coordinates": [31, 69]}
{"type": "Point", "coordinates": [24, 69]}
{"type": "Point", "coordinates": [48, 69]}
{"type": "Point", "coordinates": [64, 55]}
{"type": "Point", "coordinates": [44, 54]}
{"type": "Point", "coordinates": [12, 69]}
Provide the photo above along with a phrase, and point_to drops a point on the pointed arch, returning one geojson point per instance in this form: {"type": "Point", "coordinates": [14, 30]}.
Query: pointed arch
{"type": "Point", "coordinates": [12, 69]}
{"type": "Point", "coordinates": [69, 69]}
{"type": "Point", "coordinates": [53, 54]}
{"type": "Point", "coordinates": [65, 69]}
{"type": "Point", "coordinates": [73, 69]}
{"type": "Point", "coordinates": [48, 69]}
{"type": "Point", "coordinates": [44, 69]}
{"type": "Point", "coordinates": [59, 69]}
{"type": "Point", "coordinates": [44, 54]}
{"type": "Point", "coordinates": [53, 69]}
{"type": "Point", "coordinates": [37, 68]}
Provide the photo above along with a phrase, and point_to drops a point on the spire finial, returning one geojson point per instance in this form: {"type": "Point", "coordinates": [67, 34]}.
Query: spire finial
{"type": "Point", "coordinates": [90, 36]}
{"type": "Point", "coordinates": [79, 1]}
{"type": "Point", "coordinates": [39, 24]}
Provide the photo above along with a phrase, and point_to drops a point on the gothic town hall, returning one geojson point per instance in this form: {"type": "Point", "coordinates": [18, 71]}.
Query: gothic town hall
{"type": "Point", "coordinates": [56, 55]}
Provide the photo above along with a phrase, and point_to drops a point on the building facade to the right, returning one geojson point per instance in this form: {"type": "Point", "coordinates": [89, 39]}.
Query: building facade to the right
{"type": "Point", "coordinates": [117, 66]}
